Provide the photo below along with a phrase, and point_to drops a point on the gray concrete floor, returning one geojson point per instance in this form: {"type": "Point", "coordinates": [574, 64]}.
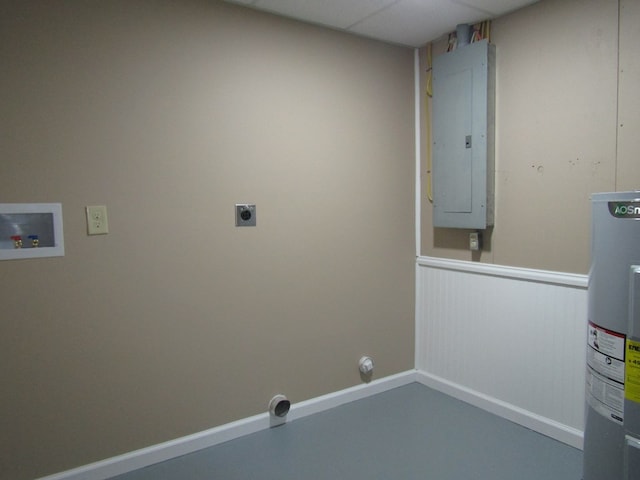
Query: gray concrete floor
{"type": "Point", "coordinates": [407, 433]}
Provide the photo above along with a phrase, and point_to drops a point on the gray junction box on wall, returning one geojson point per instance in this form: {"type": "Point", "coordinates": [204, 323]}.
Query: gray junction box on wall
{"type": "Point", "coordinates": [463, 137]}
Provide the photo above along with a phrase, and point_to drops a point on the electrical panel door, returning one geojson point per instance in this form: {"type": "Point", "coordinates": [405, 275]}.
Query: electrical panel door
{"type": "Point", "coordinates": [463, 137]}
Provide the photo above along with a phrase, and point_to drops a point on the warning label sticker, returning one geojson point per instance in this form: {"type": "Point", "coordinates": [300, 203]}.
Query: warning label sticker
{"type": "Point", "coordinates": [632, 381]}
{"type": "Point", "coordinates": [605, 396]}
{"type": "Point", "coordinates": [606, 372]}
{"type": "Point", "coordinates": [605, 365]}
{"type": "Point", "coordinates": [606, 342]}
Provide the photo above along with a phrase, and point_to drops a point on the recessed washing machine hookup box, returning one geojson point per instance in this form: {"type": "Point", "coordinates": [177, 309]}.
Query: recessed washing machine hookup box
{"type": "Point", "coordinates": [31, 230]}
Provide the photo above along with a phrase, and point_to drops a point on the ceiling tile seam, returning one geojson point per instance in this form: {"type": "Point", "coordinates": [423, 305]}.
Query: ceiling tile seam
{"type": "Point", "coordinates": [464, 4]}
{"type": "Point", "coordinates": [366, 17]}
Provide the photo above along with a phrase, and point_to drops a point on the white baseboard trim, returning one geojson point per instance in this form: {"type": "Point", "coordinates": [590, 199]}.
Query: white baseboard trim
{"type": "Point", "coordinates": [335, 399]}
{"type": "Point", "coordinates": [144, 457]}
{"type": "Point", "coordinates": [546, 426]}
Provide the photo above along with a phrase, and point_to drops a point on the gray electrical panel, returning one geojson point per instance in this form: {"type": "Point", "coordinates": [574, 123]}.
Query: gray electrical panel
{"type": "Point", "coordinates": [463, 137]}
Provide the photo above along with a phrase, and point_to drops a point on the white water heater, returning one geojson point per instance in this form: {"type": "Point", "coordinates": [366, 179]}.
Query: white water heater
{"type": "Point", "coordinates": [612, 424]}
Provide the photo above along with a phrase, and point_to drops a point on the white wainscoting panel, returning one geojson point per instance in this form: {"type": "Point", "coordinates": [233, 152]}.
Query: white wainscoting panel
{"type": "Point", "coordinates": [514, 337]}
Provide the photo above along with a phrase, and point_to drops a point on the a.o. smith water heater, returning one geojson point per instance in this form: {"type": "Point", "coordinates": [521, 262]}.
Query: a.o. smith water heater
{"type": "Point", "coordinates": [612, 428]}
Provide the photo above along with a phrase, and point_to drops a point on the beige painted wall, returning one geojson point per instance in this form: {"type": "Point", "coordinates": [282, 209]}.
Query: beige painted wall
{"type": "Point", "coordinates": [556, 131]}
{"type": "Point", "coordinates": [176, 321]}
{"type": "Point", "coordinates": [628, 164]}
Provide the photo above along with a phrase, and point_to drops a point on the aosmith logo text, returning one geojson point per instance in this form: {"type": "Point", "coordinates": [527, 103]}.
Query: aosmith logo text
{"type": "Point", "coordinates": [625, 210]}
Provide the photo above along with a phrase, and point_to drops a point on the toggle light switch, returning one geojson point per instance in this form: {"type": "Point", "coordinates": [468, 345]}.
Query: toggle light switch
{"type": "Point", "coordinates": [97, 223]}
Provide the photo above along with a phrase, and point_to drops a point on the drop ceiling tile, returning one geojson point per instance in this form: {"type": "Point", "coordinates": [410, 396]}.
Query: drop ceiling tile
{"type": "Point", "coordinates": [496, 7]}
{"type": "Point", "coordinates": [416, 22]}
{"type": "Point", "coordinates": [334, 13]}
{"type": "Point", "coordinates": [405, 22]}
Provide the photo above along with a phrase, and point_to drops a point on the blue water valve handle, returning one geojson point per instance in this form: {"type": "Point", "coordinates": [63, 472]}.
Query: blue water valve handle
{"type": "Point", "coordinates": [35, 241]}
